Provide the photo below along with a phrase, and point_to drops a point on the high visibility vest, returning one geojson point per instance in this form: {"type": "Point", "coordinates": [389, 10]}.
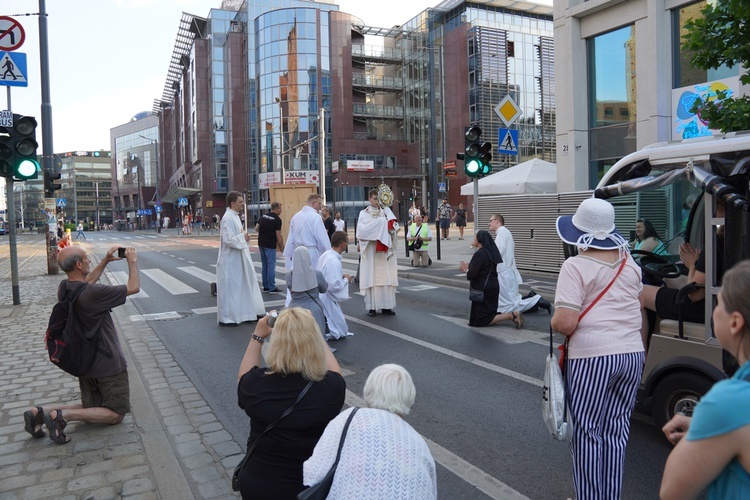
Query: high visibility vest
{"type": "Point", "coordinates": [422, 233]}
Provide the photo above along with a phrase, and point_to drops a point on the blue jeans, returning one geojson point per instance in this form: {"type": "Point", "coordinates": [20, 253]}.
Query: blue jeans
{"type": "Point", "coordinates": [268, 260]}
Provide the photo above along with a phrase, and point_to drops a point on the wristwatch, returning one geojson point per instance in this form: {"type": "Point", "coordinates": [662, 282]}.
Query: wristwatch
{"type": "Point", "coordinates": [259, 339]}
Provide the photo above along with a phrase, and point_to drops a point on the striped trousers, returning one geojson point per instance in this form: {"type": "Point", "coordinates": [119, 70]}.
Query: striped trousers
{"type": "Point", "coordinates": [602, 396]}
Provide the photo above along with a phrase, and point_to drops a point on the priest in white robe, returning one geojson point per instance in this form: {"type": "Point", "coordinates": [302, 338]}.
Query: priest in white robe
{"type": "Point", "coordinates": [307, 229]}
{"type": "Point", "coordinates": [378, 274]}
{"type": "Point", "coordinates": [238, 295]}
{"type": "Point", "coordinates": [508, 276]}
{"type": "Point", "coordinates": [329, 265]}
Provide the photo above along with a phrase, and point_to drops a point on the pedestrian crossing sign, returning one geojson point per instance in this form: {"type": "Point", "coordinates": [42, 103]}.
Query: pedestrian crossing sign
{"type": "Point", "coordinates": [507, 141]}
{"type": "Point", "coordinates": [13, 69]}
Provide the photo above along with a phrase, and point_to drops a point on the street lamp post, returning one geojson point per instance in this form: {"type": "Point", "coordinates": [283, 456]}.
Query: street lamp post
{"type": "Point", "coordinates": [281, 134]}
{"type": "Point", "coordinates": [98, 225]}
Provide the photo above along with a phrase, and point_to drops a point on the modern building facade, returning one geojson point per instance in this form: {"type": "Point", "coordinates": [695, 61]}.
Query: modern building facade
{"type": "Point", "coordinates": [135, 194]}
{"type": "Point", "coordinates": [249, 84]}
{"type": "Point", "coordinates": [625, 82]}
{"type": "Point", "coordinates": [86, 192]}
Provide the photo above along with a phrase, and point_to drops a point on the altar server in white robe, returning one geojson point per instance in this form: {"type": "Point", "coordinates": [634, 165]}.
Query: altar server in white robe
{"type": "Point", "coordinates": [238, 295]}
{"type": "Point", "coordinates": [507, 273]}
{"type": "Point", "coordinates": [378, 274]}
{"type": "Point", "coordinates": [338, 286]}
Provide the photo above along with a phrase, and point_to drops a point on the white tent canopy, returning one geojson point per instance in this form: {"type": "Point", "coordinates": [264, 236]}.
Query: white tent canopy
{"type": "Point", "coordinates": [533, 176]}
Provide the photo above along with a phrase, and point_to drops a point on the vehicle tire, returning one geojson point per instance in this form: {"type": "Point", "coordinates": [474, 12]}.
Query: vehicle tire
{"type": "Point", "coordinates": [678, 392]}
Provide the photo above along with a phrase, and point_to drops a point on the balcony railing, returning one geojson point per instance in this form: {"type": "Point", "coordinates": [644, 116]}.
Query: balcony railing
{"type": "Point", "coordinates": [378, 81]}
{"type": "Point", "coordinates": [378, 110]}
{"type": "Point", "coordinates": [376, 52]}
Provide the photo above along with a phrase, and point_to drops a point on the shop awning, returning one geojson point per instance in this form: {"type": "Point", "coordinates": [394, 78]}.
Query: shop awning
{"type": "Point", "coordinates": [178, 192]}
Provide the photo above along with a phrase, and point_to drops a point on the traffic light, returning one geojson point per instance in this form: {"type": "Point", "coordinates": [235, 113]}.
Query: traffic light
{"type": "Point", "coordinates": [485, 157]}
{"type": "Point", "coordinates": [6, 152]}
{"type": "Point", "coordinates": [50, 177]}
{"type": "Point", "coordinates": [24, 145]}
{"type": "Point", "coordinates": [472, 151]}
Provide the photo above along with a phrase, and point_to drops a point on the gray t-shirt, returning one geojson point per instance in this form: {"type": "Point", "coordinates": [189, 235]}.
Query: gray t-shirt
{"type": "Point", "coordinates": [93, 308]}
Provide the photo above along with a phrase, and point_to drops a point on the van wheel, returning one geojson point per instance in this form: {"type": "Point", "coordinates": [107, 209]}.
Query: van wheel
{"type": "Point", "coordinates": [678, 392]}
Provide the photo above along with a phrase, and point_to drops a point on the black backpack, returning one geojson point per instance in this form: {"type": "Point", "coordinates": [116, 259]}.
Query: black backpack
{"type": "Point", "coordinates": [68, 348]}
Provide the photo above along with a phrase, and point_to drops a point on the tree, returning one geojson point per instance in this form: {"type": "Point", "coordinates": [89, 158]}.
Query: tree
{"type": "Point", "coordinates": [720, 38]}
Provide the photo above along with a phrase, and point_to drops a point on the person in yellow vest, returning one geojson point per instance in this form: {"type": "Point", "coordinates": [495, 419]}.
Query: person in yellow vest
{"type": "Point", "coordinates": [419, 238]}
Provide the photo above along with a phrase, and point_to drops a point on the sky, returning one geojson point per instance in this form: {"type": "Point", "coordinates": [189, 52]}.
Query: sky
{"type": "Point", "coordinates": [108, 59]}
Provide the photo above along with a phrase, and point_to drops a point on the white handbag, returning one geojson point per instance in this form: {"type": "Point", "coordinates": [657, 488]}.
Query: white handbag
{"type": "Point", "coordinates": [555, 409]}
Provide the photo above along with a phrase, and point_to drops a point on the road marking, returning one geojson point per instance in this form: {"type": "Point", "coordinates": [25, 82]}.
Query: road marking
{"type": "Point", "coordinates": [170, 283]}
{"type": "Point", "coordinates": [463, 357]}
{"type": "Point", "coordinates": [418, 288]}
{"type": "Point", "coordinates": [205, 310]}
{"type": "Point", "coordinates": [199, 273]}
{"type": "Point", "coordinates": [471, 474]}
{"type": "Point", "coordinates": [121, 277]}
{"type": "Point", "coordinates": [505, 335]}
{"type": "Point", "coordinates": [156, 316]}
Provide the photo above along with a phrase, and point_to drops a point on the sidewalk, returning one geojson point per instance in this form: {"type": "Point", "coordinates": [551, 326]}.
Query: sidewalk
{"type": "Point", "coordinates": [169, 447]}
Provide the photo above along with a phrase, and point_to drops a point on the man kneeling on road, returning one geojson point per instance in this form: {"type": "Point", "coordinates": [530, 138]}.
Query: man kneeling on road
{"type": "Point", "coordinates": [105, 393]}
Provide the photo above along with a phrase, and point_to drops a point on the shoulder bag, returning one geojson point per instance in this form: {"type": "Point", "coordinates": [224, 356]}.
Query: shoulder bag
{"type": "Point", "coordinates": [241, 465]}
{"type": "Point", "coordinates": [554, 396]}
{"type": "Point", "coordinates": [319, 490]}
{"type": "Point", "coordinates": [478, 295]}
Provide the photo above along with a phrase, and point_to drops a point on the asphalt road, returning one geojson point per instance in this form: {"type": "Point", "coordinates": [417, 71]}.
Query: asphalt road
{"type": "Point", "coordinates": [478, 389]}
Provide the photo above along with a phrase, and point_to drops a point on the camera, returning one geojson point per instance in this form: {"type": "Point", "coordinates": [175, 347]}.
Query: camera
{"type": "Point", "coordinates": [272, 315]}
{"type": "Point", "coordinates": [121, 252]}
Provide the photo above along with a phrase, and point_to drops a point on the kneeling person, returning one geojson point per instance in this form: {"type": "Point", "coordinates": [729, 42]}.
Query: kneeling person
{"type": "Point", "coordinates": [105, 393]}
{"type": "Point", "coordinates": [338, 285]}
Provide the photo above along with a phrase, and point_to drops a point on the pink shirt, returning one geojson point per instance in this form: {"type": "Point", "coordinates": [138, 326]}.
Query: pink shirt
{"type": "Point", "coordinates": [613, 325]}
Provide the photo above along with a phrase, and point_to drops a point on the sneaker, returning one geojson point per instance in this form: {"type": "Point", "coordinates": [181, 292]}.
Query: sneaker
{"type": "Point", "coordinates": [274, 291]}
{"type": "Point", "coordinates": [265, 289]}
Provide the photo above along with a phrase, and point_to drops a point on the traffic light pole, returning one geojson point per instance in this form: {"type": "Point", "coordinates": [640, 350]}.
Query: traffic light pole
{"type": "Point", "coordinates": [12, 236]}
{"type": "Point", "coordinates": [47, 149]}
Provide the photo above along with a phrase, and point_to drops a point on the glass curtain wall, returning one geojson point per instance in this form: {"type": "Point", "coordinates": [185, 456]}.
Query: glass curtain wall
{"type": "Point", "coordinates": [293, 82]}
{"type": "Point", "coordinates": [512, 53]}
{"type": "Point", "coordinates": [219, 27]}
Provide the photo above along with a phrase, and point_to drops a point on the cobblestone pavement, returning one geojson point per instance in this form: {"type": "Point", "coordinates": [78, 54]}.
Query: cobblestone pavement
{"type": "Point", "coordinates": [170, 446]}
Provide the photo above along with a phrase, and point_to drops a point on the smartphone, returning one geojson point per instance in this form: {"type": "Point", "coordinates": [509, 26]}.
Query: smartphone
{"type": "Point", "coordinates": [121, 252]}
{"type": "Point", "coordinates": [272, 318]}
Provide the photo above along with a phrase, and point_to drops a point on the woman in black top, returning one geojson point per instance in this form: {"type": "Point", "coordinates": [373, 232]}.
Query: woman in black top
{"type": "Point", "coordinates": [460, 219]}
{"type": "Point", "coordinates": [296, 355]}
{"type": "Point", "coordinates": [482, 273]}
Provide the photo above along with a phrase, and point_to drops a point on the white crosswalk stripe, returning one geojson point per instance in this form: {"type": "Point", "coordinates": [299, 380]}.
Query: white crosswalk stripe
{"type": "Point", "coordinates": [122, 278]}
{"type": "Point", "coordinates": [170, 283]}
{"type": "Point", "coordinates": [199, 273]}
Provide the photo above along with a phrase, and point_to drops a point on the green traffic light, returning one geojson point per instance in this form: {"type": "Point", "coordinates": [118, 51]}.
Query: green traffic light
{"type": "Point", "coordinates": [27, 169]}
{"type": "Point", "coordinates": [472, 167]}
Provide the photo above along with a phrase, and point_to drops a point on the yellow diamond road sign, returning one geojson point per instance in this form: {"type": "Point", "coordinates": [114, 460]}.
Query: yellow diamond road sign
{"type": "Point", "coordinates": [508, 110]}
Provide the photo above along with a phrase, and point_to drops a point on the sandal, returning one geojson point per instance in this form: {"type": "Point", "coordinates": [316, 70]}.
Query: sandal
{"type": "Point", "coordinates": [56, 427]}
{"type": "Point", "coordinates": [517, 319]}
{"type": "Point", "coordinates": [34, 422]}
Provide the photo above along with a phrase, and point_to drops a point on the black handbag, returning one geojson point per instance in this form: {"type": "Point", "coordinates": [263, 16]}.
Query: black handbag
{"type": "Point", "coordinates": [478, 295]}
{"type": "Point", "coordinates": [319, 490]}
{"type": "Point", "coordinates": [241, 465]}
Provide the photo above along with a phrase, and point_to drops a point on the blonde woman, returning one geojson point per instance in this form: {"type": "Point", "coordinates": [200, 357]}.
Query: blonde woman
{"type": "Point", "coordinates": [713, 447]}
{"type": "Point", "coordinates": [297, 355]}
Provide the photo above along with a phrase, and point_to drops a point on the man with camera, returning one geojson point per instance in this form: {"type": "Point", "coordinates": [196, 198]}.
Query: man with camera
{"type": "Point", "coordinates": [419, 238]}
{"type": "Point", "coordinates": [105, 392]}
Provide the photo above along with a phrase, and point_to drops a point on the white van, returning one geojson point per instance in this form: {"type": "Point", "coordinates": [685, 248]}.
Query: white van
{"type": "Point", "coordinates": [677, 187]}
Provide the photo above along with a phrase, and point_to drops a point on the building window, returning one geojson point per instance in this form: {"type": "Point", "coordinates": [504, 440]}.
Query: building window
{"type": "Point", "coordinates": [612, 99]}
{"type": "Point", "coordinates": [684, 73]}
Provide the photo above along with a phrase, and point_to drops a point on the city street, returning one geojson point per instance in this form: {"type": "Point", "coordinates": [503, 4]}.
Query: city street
{"type": "Point", "coordinates": [478, 389]}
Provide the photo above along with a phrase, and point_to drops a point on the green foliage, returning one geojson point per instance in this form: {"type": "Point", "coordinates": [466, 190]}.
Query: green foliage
{"type": "Point", "coordinates": [720, 38]}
